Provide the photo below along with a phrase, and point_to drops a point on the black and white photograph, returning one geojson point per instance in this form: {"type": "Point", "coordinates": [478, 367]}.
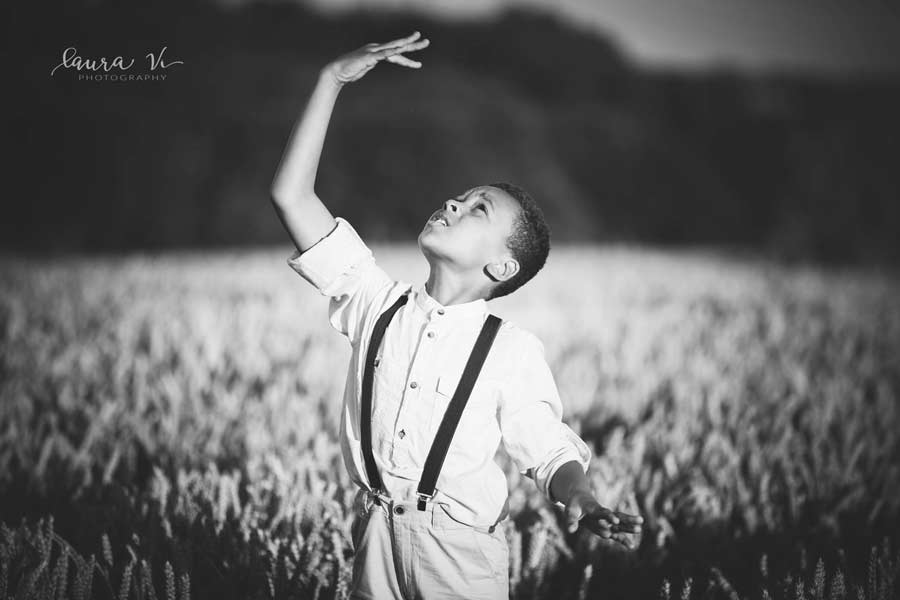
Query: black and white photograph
{"type": "Point", "coordinates": [436, 299]}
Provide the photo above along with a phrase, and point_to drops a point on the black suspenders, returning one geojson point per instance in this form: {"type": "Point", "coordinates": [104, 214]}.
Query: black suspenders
{"type": "Point", "coordinates": [445, 431]}
{"type": "Point", "coordinates": [365, 422]}
{"type": "Point", "coordinates": [447, 428]}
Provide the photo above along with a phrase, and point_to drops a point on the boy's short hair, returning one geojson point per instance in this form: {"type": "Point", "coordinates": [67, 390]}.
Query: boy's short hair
{"type": "Point", "coordinates": [529, 240]}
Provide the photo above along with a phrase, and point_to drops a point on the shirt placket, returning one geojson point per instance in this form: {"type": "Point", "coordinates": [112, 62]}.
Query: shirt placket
{"type": "Point", "coordinates": [415, 410]}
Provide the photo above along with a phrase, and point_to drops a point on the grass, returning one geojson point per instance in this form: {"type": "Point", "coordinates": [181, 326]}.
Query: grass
{"type": "Point", "coordinates": [168, 427]}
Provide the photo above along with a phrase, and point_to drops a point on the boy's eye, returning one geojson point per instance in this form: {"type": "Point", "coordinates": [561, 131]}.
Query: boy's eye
{"type": "Point", "coordinates": [482, 207]}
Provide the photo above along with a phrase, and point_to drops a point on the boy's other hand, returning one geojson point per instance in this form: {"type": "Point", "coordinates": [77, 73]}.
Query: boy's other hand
{"type": "Point", "coordinates": [354, 65]}
{"type": "Point", "coordinates": [608, 524]}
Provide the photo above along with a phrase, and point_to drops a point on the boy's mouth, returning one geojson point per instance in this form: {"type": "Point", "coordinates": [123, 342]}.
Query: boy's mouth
{"type": "Point", "coordinates": [438, 219]}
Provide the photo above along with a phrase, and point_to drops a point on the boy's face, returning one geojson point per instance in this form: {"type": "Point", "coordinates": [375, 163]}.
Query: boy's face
{"type": "Point", "coordinates": [470, 230]}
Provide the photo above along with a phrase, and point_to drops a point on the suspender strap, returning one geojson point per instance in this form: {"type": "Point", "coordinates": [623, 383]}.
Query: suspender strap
{"type": "Point", "coordinates": [447, 428]}
{"type": "Point", "coordinates": [365, 424]}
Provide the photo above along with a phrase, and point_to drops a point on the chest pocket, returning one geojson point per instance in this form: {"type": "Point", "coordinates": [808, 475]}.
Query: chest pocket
{"type": "Point", "coordinates": [479, 409]}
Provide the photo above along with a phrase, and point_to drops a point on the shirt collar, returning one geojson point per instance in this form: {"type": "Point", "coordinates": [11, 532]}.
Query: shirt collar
{"type": "Point", "coordinates": [473, 308]}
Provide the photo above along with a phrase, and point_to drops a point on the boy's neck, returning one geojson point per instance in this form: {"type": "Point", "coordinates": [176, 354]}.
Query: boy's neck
{"type": "Point", "coordinates": [448, 287]}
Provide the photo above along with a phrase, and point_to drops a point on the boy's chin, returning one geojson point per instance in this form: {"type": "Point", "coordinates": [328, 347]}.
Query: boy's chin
{"type": "Point", "coordinates": [432, 248]}
{"type": "Point", "coordinates": [428, 242]}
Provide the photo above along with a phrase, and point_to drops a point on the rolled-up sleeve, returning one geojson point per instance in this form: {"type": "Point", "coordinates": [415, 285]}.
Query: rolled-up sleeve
{"type": "Point", "coordinates": [342, 267]}
{"type": "Point", "coordinates": [531, 420]}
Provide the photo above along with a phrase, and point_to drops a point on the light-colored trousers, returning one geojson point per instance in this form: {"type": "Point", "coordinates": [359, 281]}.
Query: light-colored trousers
{"type": "Point", "coordinates": [408, 554]}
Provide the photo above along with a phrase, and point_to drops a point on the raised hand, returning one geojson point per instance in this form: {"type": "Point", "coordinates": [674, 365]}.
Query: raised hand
{"type": "Point", "coordinates": [608, 524]}
{"type": "Point", "coordinates": [354, 65]}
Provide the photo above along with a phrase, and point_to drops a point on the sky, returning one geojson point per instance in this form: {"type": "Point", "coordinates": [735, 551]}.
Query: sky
{"type": "Point", "coordinates": [830, 36]}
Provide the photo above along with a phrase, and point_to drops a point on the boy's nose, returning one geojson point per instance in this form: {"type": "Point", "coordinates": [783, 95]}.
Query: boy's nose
{"type": "Point", "coordinates": [451, 205]}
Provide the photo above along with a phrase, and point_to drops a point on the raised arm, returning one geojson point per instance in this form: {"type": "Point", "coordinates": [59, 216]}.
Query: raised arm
{"type": "Point", "coordinates": [300, 210]}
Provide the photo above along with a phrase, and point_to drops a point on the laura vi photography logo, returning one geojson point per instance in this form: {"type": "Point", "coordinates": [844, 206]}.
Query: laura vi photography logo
{"type": "Point", "coordinates": [116, 68]}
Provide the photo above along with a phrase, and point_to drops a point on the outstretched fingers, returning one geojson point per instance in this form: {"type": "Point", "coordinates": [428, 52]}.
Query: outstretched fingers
{"type": "Point", "coordinates": [396, 43]}
{"type": "Point", "coordinates": [603, 515]}
{"type": "Point", "coordinates": [600, 520]}
{"type": "Point", "coordinates": [613, 526]}
{"type": "Point", "coordinates": [388, 53]}
{"type": "Point", "coordinates": [398, 59]}
{"type": "Point", "coordinates": [629, 523]}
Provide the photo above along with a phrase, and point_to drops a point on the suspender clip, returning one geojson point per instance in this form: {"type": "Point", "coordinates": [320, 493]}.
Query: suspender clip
{"type": "Point", "coordinates": [423, 498]}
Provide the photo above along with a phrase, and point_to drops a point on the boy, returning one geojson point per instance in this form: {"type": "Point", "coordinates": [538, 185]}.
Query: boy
{"type": "Point", "coordinates": [431, 495]}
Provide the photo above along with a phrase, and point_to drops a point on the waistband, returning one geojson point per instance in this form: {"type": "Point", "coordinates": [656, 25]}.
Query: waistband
{"type": "Point", "coordinates": [435, 513]}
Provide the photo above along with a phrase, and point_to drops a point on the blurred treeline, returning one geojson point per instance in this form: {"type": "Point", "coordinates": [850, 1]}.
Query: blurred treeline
{"type": "Point", "coordinates": [796, 166]}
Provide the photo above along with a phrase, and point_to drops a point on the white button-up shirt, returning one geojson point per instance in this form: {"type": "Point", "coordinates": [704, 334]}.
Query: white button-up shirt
{"type": "Point", "coordinates": [514, 401]}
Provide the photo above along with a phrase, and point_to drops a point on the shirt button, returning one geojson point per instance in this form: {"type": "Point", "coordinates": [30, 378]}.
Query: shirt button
{"type": "Point", "coordinates": [413, 385]}
{"type": "Point", "coordinates": [402, 434]}
{"type": "Point", "coordinates": [431, 334]}
{"type": "Point", "coordinates": [440, 311]}
{"type": "Point", "coordinates": [398, 510]}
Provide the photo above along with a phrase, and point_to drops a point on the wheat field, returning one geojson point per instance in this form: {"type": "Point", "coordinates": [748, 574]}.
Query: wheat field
{"type": "Point", "coordinates": [168, 427]}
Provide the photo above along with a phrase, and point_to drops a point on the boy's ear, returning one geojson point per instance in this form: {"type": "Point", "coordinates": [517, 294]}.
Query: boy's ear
{"type": "Point", "coordinates": [503, 270]}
